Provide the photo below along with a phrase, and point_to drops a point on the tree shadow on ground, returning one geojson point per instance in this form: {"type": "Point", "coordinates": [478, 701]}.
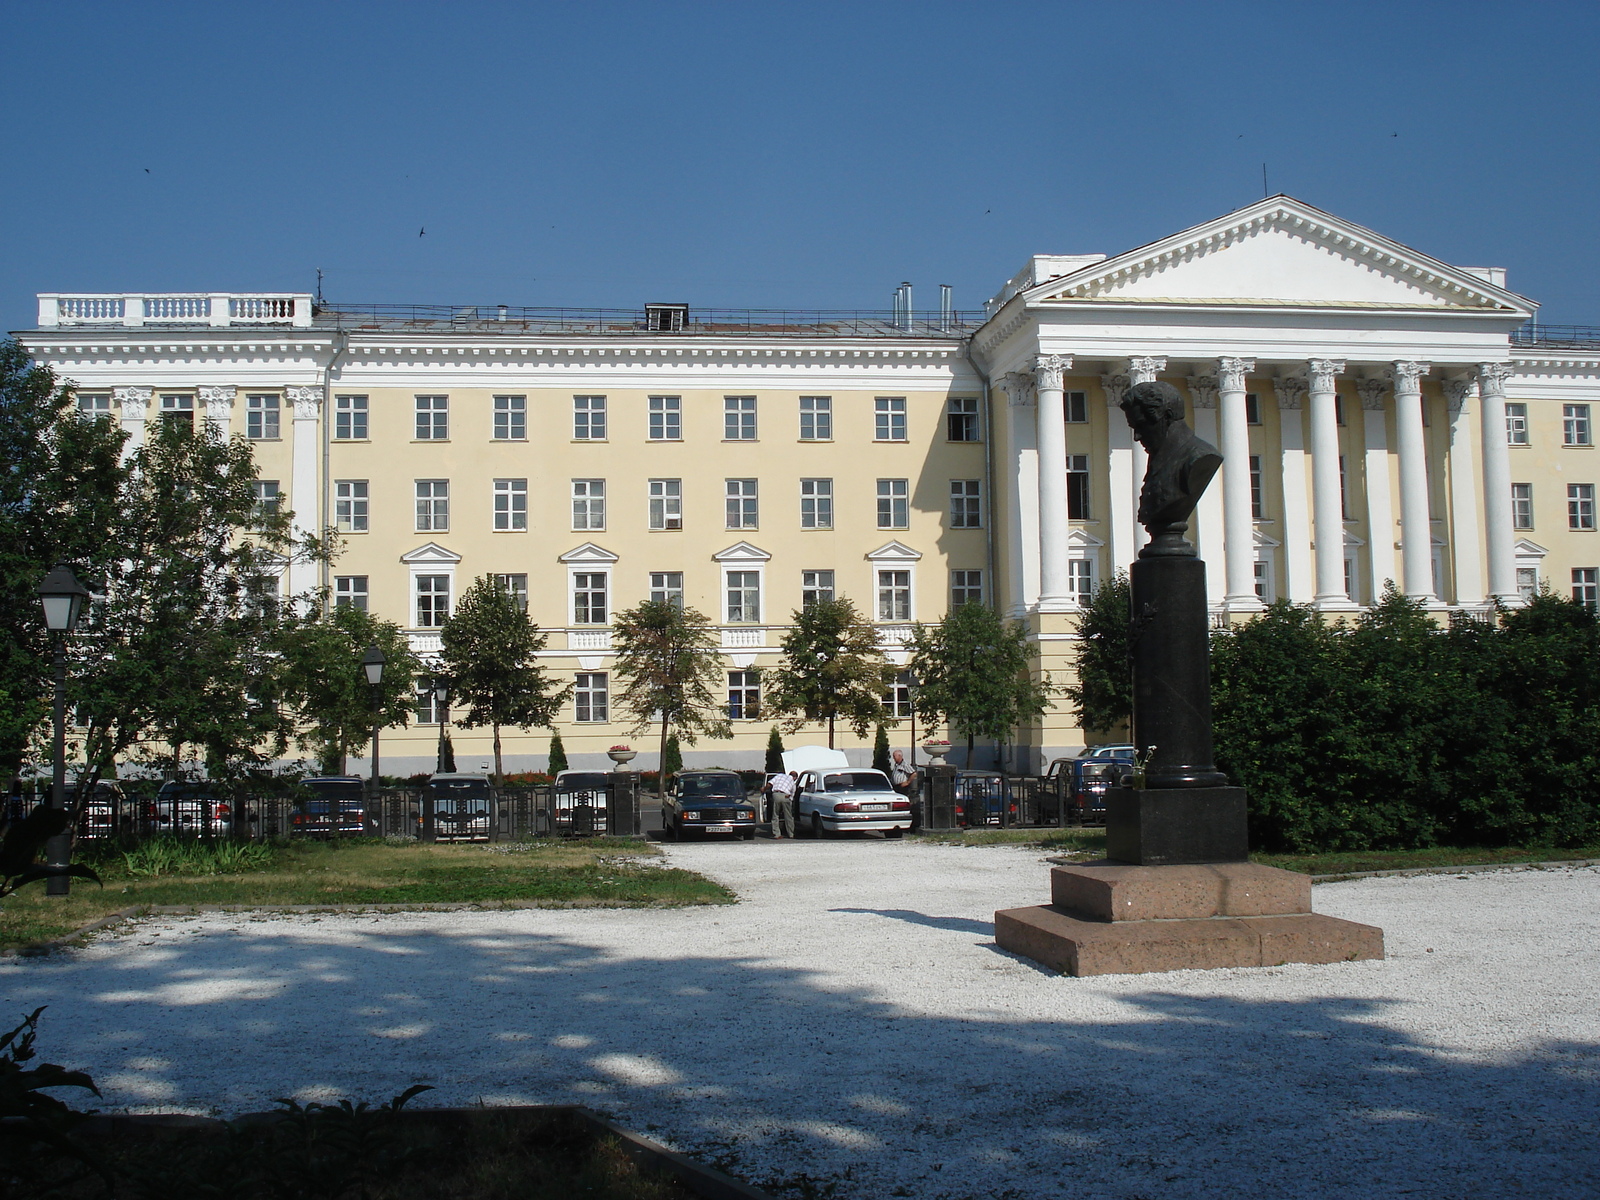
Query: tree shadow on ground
{"type": "Point", "coordinates": [786, 1078]}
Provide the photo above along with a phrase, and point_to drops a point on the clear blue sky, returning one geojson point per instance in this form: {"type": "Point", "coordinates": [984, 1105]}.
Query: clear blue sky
{"type": "Point", "coordinates": [769, 154]}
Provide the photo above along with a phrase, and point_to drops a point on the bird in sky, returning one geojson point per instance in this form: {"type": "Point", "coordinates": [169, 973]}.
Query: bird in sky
{"type": "Point", "coordinates": [422, 231]}
{"type": "Point", "coordinates": [147, 170]}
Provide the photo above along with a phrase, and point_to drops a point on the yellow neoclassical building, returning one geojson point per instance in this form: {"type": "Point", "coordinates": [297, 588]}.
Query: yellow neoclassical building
{"type": "Point", "coordinates": [1384, 417]}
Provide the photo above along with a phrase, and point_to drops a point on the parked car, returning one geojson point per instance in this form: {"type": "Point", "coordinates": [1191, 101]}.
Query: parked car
{"type": "Point", "coordinates": [580, 800]}
{"type": "Point", "coordinates": [709, 802]}
{"type": "Point", "coordinates": [1089, 775]}
{"type": "Point", "coordinates": [460, 807]}
{"type": "Point", "coordinates": [981, 797]}
{"type": "Point", "coordinates": [335, 804]}
{"type": "Point", "coordinates": [104, 814]}
{"type": "Point", "coordinates": [188, 806]}
{"type": "Point", "coordinates": [831, 801]}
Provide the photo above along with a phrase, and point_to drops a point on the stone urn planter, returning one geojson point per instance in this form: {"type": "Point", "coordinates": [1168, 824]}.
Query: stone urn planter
{"type": "Point", "coordinates": [622, 756]}
{"type": "Point", "coordinates": [936, 752]}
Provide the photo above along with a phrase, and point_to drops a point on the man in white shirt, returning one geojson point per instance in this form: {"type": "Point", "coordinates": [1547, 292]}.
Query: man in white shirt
{"type": "Point", "coordinates": [782, 788]}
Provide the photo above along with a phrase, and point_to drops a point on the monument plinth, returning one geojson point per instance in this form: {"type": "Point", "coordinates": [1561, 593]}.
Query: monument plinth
{"type": "Point", "coordinates": [1177, 890]}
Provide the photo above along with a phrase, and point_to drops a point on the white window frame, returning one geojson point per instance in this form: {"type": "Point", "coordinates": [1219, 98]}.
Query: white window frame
{"type": "Point", "coordinates": [432, 523]}
{"type": "Point", "coordinates": [514, 585]}
{"type": "Point", "coordinates": [417, 594]}
{"type": "Point", "coordinates": [899, 505]}
{"type": "Point", "coordinates": [177, 404]}
{"type": "Point", "coordinates": [1083, 577]}
{"type": "Point", "coordinates": [816, 414]}
{"type": "Point", "coordinates": [269, 500]}
{"type": "Point", "coordinates": [511, 505]}
{"type": "Point", "coordinates": [346, 594]}
{"type": "Point", "coordinates": [589, 418]}
{"type": "Point", "coordinates": [666, 504]}
{"type": "Point", "coordinates": [889, 419]}
{"type": "Point", "coordinates": [590, 494]}
{"type": "Point", "coordinates": [352, 505]}
{"type": "Point", "coordinates": [584, 691]}
{"type": "Point", "coordinates": [665, 422]}
{"type": "Point", "coordinates": [1081, 483]}
{"type": "Point", "coordinates": [263, 412]}
{"type": "Point", "coordinates": [432, 414]}
{"type": "Point", "coordinates": [666, 587]}
{"type": "Point", "coordinates": [1521, 506]}
{"type": "Point", "coordinates": [587, 573]}
{"type": "Point", "coordinates": [1576, 428]}
{"type": "Point", "coordinates": [510, 418]}
{"type": "Point", "coordinates": [880, 589]}
{"type": "Point", "coordinates": [739, 419]}
{"type": "Point", "coordinates": [728, 572]}
{"type": "Point", "coordinates": [966, 588]}
{"type": "Point", "coordinates": [95, 404]}
{"type": "Point", "coordinates": [970, 418]}
{"type": "Point", "coordinates": [816, 504]}
{"type": "Point", "coordinates": [743, 682]}
{"type": "Point", "coordinates": [746, 495]}
{"type": "Point", "coordinates": [1580, 508]}
{"type": "Point", "coordinates": [1586, 587]}
{"type": "Point", "coordinates": [815, 584]}
{"type": "Point", "coordinates": [350, 411]}
{"type": "Point", "coordinates": [1076, 407]}
{"type": "Point", "coordinates": [966, 505]}
{"type": "Point", "coordinates": [1516, 423]}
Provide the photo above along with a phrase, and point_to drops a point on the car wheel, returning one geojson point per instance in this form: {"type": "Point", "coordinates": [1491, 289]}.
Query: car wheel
{"type": "Point", "coordinates": [749, 835]}
{"type": "Point", "coordinates": [817, 831]}
{"type": "Point", "coordinates": [896, 832]}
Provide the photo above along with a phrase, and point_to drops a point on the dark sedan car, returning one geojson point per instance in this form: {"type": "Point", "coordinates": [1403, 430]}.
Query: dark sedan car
{"type": "Point", "coordinates": [709, 802]}
{"type": "Point", "coordinates": [314, 814]}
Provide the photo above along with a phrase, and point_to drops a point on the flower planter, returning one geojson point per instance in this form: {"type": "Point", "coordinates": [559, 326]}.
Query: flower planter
{"type": "Point", "coordinates": [622, 758]}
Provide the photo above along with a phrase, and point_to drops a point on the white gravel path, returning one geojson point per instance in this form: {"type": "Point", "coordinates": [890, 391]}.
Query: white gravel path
{"type": "Point", "coordinates": [852, 1019]}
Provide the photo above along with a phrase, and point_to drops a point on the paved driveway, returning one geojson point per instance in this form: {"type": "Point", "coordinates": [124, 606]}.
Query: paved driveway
{"type": "Point", "coordinates": [852, 1017]}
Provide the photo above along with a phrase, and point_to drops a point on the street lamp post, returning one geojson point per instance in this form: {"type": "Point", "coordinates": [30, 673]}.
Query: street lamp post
{"type": "Point", "coordinates": [62, 597]}
{"type": "Point", "coordinates": [372, 662]}
{"type": "Point", "coordinates": [441, 703]}
{"type": "Point", "coordinates": [912, 683]}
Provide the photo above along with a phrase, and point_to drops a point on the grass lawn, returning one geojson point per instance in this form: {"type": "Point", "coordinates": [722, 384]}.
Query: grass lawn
{"type": "Point", "coordinates": [599, 871]}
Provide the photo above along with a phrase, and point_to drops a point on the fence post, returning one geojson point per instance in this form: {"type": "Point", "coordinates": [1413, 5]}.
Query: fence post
{"type": "Point", "coordinates": [622, 804]}
{"type": "Point", "coordinates": [429, 831]}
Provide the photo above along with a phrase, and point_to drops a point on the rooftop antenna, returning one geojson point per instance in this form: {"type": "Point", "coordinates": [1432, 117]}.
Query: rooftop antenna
{"type": "Point", "coordinates": [1264, 192]}
{"type": "Point", "coordinates": [319, 285]}
{"type": "Point", "coordinates": [947, 306]}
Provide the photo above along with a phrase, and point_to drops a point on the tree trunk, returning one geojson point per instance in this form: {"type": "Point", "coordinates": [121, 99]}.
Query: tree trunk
{"type": "Point", "coordinates": [830, 731]}
{"type": "Point", "coordinates": [969, 750]}
{"type": "Point", "coordinates": [499, 770]}
{"type": "Point", "coordinates": [661, 762]}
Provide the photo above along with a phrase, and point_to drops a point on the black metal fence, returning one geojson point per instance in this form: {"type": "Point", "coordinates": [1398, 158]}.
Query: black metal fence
{"type": "Point", "coordinates": [978, 800]}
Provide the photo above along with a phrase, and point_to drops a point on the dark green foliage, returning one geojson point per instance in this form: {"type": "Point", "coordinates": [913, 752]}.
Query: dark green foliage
{"type": "Point", "coordinates": [667, 657]}
{"type": "Point", "coordinates": [880, 751]}
{"type": "Point", "coordinates": [558, 754]}
{"type": "Point", "coordinates": [774, 762]}
{"type": "Point", "coordinates": [833, 670]}
{"type": "Point", "coordinates": [674, 760]}
{"type": "Point", "coordinates": [447, 755]}
{"type": "Point", "coordinates": [974, 672]}
{"type": "Point", "coordinates": [1102, 695]}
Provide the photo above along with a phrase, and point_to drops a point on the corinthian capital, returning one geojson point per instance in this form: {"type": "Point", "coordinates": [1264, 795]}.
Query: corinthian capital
{"type": "Point", "coordinates": [1019, 388]}
{"type": "Point", "coordinates": [1203, 390]}
{"type": "Point", "coordinates": [1231, 373]}
{"type": "Point", "coordinates": [1371, 392]}
{"type": "Point", "coordinates": [1323, 372]}
{"type": "Point", "coordinates": [1116, 387]}
{"type": "Point", "coordinates": [307, 402]}
{"type": "Point", "coordinates": [1048, 369]}
{"type": "Point", "coordinates": [1407, 376]}
{"type": "Point", "coordinates": [218, 402]}
{"type": "Point", "coordinates": [1146, 368]}
{"type": "Point", "coordinates": [134, 401]}
{"type": "Point", "coordinates": [1291, 390]}
{"type": "Point", "coordinates": [1456, 392]}
{"type": "Point", "coordinates": [1492, 378]}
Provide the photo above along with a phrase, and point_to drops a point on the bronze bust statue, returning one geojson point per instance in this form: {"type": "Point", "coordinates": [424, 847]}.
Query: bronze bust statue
{"type": "Point", "coordinates": [1181, 465]}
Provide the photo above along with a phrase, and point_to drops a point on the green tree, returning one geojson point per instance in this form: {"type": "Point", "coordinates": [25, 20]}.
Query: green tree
{"type": "Point", "coordinates": [880, 750]}
{"type": "Point", "coordinates": [667, 657]}
{"type": "Point", "coordinates": [774, 762]}
{"type": "Point", "coordinates": [558, 754]}
{"type": "Point", "coordinates": [322, 681]}
{"type": "Point", "coordinates": [1102, 693]}
{"type": "Point", "coordinates": [975, 674]}
{"type": "Point", "coordinates": [489, 649]}
{"type": "Point", "coordinates": [674, 759]}
{"type": "Point", "coordinates": [833, 670]}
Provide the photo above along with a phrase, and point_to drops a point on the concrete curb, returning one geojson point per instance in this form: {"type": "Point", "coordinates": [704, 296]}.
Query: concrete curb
{"type": "Point", "coordinates": [1546, 864]}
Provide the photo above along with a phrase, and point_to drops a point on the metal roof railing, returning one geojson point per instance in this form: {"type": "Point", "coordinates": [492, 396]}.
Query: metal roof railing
{"type": "Point", "coordinates": [1577, 337]}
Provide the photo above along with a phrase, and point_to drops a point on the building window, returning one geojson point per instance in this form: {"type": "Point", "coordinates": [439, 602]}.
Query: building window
{"type": "Point", "coordinates": [350, 505]}
{"type": "Point", "coordinates": [961, 419]}
{"type": "Point", "coordinates": [433, 601]}
{"type": "Point", "coordinates": [1078, 487]}
{"type": "Point", "coordinates": [666, 504]}
{"type": "Point", "coordinates": [666, 587]}
{"type": "Point", "coordinates": [666, 418]}
{"type": "Point", "coordinates": [890, 414]}
{"type": "Point", "coordinates": [350, 591]}
{"type": "Point", "coordinates": [510, 505]}
{"type": "Point", "coordinates": [894, 595]}
{"type": "Point", "coordinates": [433, 418]}
{"type": "Point", "coordinates": [267, 499]}
{"type": "Point", "coordinates": [1527, 582]}
{"type": "Point", "coordinates": [1586, 587]}
{"type": "Point", "coordinates": [433, 505]}
{"type": "Point", "coordinates": [1338, 409]}
{"type": "Point", "coordinates": [1077, 406]}
{"type": "Point", "coordinates": [589, 598]}
{"type": "Point", "coordinates": [261, 418]}
{"type": "Point", "coordinates": [1080, 579]}
{"type": "Point", "coordinates": [1252, 408]}
{"type": "Point", "coordinates": [1516, 424]}
{"type": "Point", "coordinates": [1580, 506]}
{"type": "Point", "coordinates": [742, 507]}
{"type": "Point", "coordinates": [1350, 576]}
{"type": "Point", "coordinates": [1255, 487]}
{"type": "Point", "coordinates": [1262, 571]}
{"type": "Point", "coordinates": [897, 700]}
{"type": "Point", "coordinates": [966, 509]}
{"type": "Point", "coordinates": [588, 503]}
{"type": "Point", "coordinates": [1344, 492]}
{"type": "Point", "coordinates": [816, 418]}
{"type": "Point", "coordinates": [1522, 506]}
{"type": "Point", "coordinates": [744, 597]}
{"type": "Point", "coordinates": [589, 418]}
{"type": "Point", "coordinates": [1575, 425]}
{"type": "Point", "coordinates": [816, 504]}
{"type": "Point", "coordinates": [515, 586]}
{"type": "Point", "coordinates": [350, 418]}
{"type": "Point", "coordinates": [744, 695]}
{"type": "Point", "coordinates": [429, 711]}
{"type": "Point", "coordinates": [510, 418]}
{"type": "Point", "coordinates": [95, 404]}
{"type": "Point", "coordinates": [894, 509]}
{"type": "Point", "coordinates": [966, 587]}
{"type": "Point", "coordinates": [178, 410]}
{"type": "Point", "coordinates": [739, 418]}
{"type": "Point", "coordinates": [815, 587]}
{"type": "Point", "coordinates": [591, 696]}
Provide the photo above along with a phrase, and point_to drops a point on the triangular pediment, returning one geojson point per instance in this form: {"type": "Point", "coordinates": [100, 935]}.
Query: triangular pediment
{"type": "Point", "coordinates": [431, 554]}
{"type": "Point", "coordinates": [1280, 252]}
{"type": "Point", "coordinates": [1526, 549]}
{"type": "Point", "coordinates": [588, 553]}
{"type": "Point", "coordinates": [1082, 539]}
{"type": "Point", "coordinates": [741, 552]}
{"type": "Point", "coordinates": [895, 551]}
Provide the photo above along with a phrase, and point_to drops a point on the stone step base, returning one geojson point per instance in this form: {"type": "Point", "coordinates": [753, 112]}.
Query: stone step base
{"type": "Point", "coordinates": [1078, 947]}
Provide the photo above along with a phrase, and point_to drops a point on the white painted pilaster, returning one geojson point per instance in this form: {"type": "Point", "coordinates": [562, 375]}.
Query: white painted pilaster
{"type": "Point", "coordinates": [1022, 462]}
{"type": "Point", "coordinates": [303, 491]}
{"type": "Point", "coordinates": [135, 405]}
{"type": "Point", "coordinates": [1327, 504]}
{"type": "Point", "coordinates": [1467, 569]}
{"type": "Point", "coordinates": [1299, 579]}
{"type": "Point", "coordinates": [1239, 544]}
{"type": "Point", "coordinates": [1203, 394]}
{"type": "Point", "coordinates": [218, 403]}
{"type": "Point", "coordinates": [1380, 498]}
{"type": "Point", "coordinates": [1497, 531]}
{"type": "Point", "coordinates": [1124, 481]}
{"type": "Point", "coordinates": [1054, 588]}
{"type": "Point", "coordinates": [1416, 532]}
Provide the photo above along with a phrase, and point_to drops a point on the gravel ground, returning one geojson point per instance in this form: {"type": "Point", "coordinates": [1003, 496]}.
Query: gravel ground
{"type": "Point", "coordinates": [851, 1024]}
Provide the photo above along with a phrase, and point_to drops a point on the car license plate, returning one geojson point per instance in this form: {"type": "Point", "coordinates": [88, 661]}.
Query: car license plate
{"type": "Point", "coordinates": [719, 828]}
{"type": "Point", "coordinates": [874, 808]}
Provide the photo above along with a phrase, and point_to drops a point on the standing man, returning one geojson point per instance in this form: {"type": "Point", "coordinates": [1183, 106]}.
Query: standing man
{"type": "Point", "coordinates": [900, 775]}
{"type": "Point", "coordinates": [783, 787]}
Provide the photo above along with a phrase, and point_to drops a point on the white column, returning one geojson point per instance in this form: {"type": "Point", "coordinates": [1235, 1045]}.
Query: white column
{"type": "Point", "coordinates": [1298, 577]}
{"type": "Point", "coordinates": [1239, 540]}
{"type": "Point", "coordinates": [303, 493]}
{"type": "Point", "coordinates": [1055, 593]}
{"type": "Point", "coordinates": [1380, 496]}
{"type": "Point", "coordinates": [1466, 568]}
{"type": "Point", "coordinates": [1143, 369]}
{"type": "Point", "coordinates": [1416, 530]}
{"type": "Point", "coordinates": [1022, 567]}
{"type": "Point", "coordinates": [135, 405]}
{"type": "Point", "coordinates": [1497, 529]}
{"type": "Point", "coordinates": [1124, 481]}
{"type": "Point", "coordinates": [1203, 394]}
{"type": "Point", "coordinates": [1327, 504]}
{"type": "Point", "coordinates": [218, 402]}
